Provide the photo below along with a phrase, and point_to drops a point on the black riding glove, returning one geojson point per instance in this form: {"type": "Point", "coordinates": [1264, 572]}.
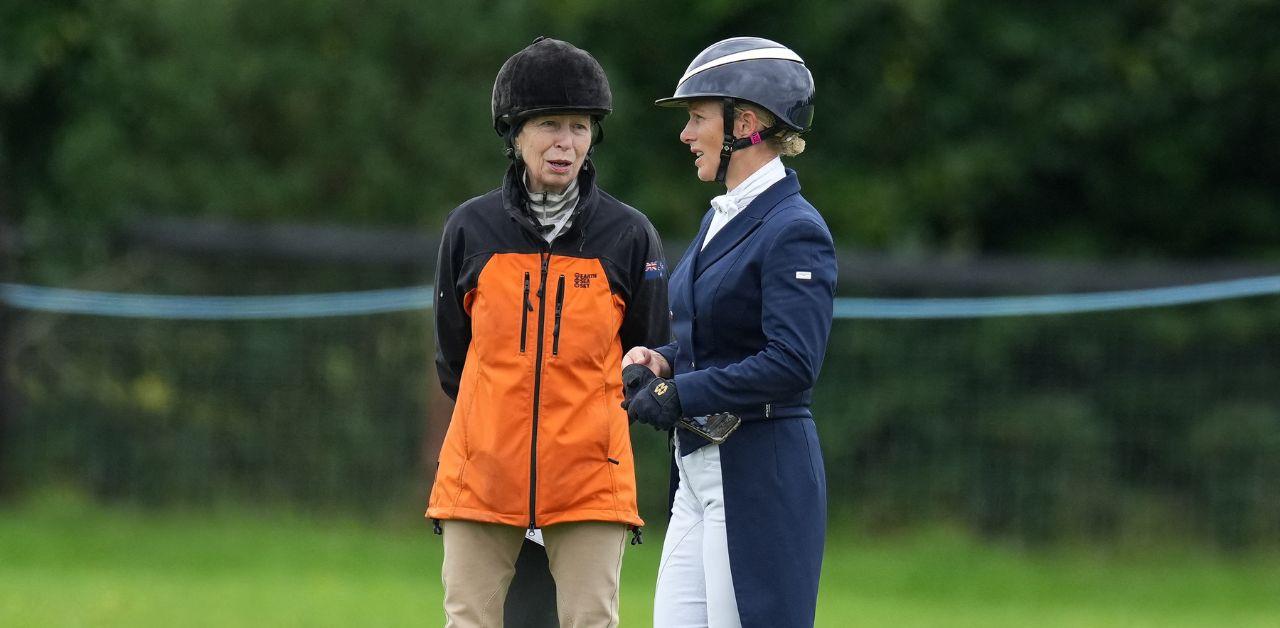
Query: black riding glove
{"type": "Point", "coordinates": [634, 378]}
{"type": "Point", "coordinates": [656, 403]}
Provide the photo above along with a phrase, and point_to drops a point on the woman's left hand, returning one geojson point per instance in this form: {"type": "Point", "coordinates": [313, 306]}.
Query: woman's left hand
{"type": "Point", "coordinates": [656, 403]}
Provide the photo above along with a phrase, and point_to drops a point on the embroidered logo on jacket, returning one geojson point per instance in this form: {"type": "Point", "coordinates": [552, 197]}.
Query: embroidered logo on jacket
{"type": "Point", "coordinates": [583, 280]}
{"type": "Point", "coordinates": [654, 270]}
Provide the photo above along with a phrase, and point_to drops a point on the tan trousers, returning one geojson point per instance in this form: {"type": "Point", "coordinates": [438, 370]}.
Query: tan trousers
{"type": "Point", "coordinates": [480, 559]}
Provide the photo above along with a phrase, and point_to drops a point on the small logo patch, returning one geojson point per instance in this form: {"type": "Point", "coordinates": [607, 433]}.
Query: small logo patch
{"type": "Point", "coordinates": [660, 389]}
{"type": "Point", "coordinates": [583, 280]}
{"type": "Point", "coordinates": [654, 270]}
{"type": "Point", "coordinates": [804, 275]}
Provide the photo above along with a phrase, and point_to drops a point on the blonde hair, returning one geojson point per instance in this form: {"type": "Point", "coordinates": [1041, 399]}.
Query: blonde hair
{"type": "Point", "coordinates": [788, 143]}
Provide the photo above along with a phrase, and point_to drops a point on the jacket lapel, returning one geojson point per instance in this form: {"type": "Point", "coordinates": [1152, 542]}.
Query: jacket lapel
{"type": "Point", "coordinates": [690, 260]}
{"type": "Point", "coordinates": [741, 226]}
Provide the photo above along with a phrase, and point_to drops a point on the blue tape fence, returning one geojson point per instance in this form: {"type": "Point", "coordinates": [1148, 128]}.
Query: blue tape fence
{"type": "Point", "coordinates": [66, 301]}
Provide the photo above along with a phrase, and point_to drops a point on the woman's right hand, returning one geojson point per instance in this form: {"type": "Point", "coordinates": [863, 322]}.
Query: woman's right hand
{"type": "Point", "coordinates": [650, 358]}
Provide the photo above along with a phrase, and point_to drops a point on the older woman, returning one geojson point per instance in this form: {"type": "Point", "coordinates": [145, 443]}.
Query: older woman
{"type": "Point", "coordinates": [752, 303]}
{"type": "Point", "coordinates": [541, 283]}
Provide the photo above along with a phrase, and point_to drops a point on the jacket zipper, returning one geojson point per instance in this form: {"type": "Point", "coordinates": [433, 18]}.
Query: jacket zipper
{"type": "Point", "coordinates": [537, 392]}
{"type": "Point", "coordinates": [524, 313]}
{"type": "Point", "coordinates": [555, 335]}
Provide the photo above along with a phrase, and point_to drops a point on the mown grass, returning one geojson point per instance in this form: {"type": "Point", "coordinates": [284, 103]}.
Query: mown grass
{"type": "Point", "coordinates": [63, 563]}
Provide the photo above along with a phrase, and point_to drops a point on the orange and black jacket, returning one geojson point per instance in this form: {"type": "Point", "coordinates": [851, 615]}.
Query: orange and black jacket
{"type": "Point", "coordinates": [529, 344]}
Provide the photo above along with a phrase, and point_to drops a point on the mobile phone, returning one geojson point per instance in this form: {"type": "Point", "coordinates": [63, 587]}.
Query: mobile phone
{"type": "Point", "coordinates": [715, 428]}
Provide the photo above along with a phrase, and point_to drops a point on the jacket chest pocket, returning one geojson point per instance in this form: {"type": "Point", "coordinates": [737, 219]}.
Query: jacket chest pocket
{"type": "Point", "coordinates": [526, 307]}
{"type": "Point", "coordinates": [582, 316]}
{"type": "Point", "coordinates": [555, 329]}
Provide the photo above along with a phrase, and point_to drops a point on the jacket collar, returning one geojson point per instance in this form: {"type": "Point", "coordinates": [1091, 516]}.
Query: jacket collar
{"type": "Point", "coordinates": [516, 201]}
{"type": "Point", "coordinates": [737, 229]}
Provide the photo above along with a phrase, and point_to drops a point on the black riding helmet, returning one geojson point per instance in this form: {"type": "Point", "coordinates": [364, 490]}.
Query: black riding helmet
{"type": "Point", "coordinates": [549, 76]}
{"type": "Point", "coordinates": [754, 70]}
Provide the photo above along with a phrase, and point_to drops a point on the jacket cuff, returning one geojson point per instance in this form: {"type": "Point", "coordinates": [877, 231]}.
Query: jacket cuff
{"type": "Point", "coordinates": [668, 353]}
{"type": "Point", "coordinates": [693, 400]}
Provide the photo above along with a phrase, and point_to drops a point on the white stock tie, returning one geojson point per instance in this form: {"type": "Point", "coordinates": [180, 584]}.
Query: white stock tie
{"type": "Point", "coordinates": [725, 208]}
{"type": "Point", "coordinates": [724, 205]}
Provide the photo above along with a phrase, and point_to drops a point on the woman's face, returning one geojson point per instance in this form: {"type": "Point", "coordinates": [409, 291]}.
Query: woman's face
{"type": "Point", "coordinates": [554, 148]}
{"type": "Point", "coordinates": [704, 133]}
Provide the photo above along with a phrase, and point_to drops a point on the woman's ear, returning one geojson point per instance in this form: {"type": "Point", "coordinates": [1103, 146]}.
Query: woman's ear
{"type": "Point", "coordinates": [746, 124]}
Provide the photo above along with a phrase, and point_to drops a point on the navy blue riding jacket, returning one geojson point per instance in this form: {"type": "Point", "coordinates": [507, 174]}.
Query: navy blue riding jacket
{"type": "Point", "coordinates": [751, 316]}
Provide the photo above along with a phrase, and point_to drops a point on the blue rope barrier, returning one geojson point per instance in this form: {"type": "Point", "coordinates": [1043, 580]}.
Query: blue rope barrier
{"type": "Point", "coordinates": [1056, 303]}
{"type": "Point", "coordinates": [65, 301]}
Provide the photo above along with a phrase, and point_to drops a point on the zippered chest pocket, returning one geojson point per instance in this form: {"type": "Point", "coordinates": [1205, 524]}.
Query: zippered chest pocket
{"type": "Point", "coordinates": [525, 308]}
{"type": "Point", "coordinates": [583, 315]}
{"type": "Point", "coordinates": [555, 334]}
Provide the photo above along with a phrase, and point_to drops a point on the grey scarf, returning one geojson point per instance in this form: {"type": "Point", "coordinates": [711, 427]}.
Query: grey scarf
{"type": "Point", "coordinates": [553, 211]}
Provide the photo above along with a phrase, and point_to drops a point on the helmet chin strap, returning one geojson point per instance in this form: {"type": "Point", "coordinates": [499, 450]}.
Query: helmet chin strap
{"type": "Point", "coordinates": [510, 140]}
{"type": "Point", "coordinates": [732, 143]}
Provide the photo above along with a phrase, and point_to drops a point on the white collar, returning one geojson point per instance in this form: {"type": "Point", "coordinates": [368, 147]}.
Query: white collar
{"type": "Point", "coordinates": [737, 199]}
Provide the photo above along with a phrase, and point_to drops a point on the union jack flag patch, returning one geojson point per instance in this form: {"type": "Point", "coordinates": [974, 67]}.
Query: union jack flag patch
{"type": "Point", "coordinates": [654, 270]}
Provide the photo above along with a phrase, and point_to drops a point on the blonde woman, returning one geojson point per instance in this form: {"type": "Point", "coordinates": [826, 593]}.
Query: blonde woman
{"type": "Point", "coordinates": [752, 306]}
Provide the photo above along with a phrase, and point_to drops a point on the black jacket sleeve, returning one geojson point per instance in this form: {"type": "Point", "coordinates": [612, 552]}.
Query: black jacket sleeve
{"type": "Point", "coordinates": [453, 324]}
{"type": "Point", "coordinates": [647, 322]}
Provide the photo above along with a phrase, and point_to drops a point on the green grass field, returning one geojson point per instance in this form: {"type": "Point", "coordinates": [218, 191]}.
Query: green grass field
{"type": "Point", "coordinates": [66, 564]}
